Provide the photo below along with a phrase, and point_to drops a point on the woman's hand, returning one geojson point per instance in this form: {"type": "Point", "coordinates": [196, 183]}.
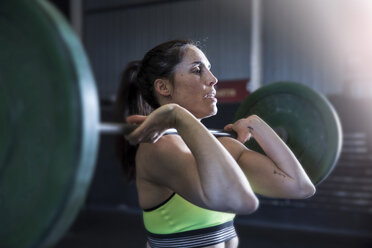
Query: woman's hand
{"type": "Point", "coordinates": [243, 127]}
{"type": "Point", "coordinates": [152, 127]}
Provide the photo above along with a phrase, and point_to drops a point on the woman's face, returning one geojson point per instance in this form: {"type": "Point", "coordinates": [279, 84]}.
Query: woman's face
{"type": "Point", "coordinates": [193, 84]}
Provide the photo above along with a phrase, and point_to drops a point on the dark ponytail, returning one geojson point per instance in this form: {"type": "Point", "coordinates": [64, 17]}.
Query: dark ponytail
{"type": "Point", "coordinates": [136, 92]}
{"type": "Point", "coordinates": [129, 101]}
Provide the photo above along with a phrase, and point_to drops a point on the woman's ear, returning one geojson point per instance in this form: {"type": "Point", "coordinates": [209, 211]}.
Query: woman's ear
{"type": "Point", "coordinates": [163, 87]}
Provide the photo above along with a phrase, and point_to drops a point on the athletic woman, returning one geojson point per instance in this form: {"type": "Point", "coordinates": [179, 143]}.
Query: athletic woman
{"type": "Point", "coordinates": [191, 185]}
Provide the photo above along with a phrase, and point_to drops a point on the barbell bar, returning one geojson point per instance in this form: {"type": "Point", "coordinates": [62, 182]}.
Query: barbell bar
{"type": "Point", "coordinates": [50, 124]}
{"type": "Point", "coordinates": [127, 128]}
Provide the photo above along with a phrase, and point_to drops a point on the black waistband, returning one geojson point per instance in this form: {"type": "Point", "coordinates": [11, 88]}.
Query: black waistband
{"type": "Point", "coordinates": [195, 238]}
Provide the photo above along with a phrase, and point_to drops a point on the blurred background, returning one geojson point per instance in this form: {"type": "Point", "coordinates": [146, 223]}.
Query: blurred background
{"type": "Point", "coordinates": [324, 44]}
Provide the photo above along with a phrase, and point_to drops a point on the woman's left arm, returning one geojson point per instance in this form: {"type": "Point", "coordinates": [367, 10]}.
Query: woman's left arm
{"type": "Point", "coordinates": [279, 174]}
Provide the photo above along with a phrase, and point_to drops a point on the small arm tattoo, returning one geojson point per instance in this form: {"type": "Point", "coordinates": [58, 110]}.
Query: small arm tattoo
{"type": "Point", "coordinates": [280, 174]}
{"type": "Point", "coordinates": [250, 128]}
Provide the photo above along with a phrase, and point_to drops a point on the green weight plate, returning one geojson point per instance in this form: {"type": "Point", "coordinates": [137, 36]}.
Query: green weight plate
{"type": "Point", "coordinates": [49, 121]}
{"type": "Point", "coordinates": [304, 119]}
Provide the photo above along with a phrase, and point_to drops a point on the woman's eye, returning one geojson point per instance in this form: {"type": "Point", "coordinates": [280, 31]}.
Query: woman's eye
{"type": "Point", "coordinates": [197, 70]}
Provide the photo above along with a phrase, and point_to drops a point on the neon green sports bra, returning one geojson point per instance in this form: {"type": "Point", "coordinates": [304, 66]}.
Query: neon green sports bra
{"type": "Point", "coordinates": [177, 215]}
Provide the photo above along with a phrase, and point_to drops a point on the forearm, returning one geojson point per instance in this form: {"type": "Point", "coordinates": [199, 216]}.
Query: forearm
{"type": "Point", "coordinates": [222, 180]}
{"type": "Point", "coordinates": [277, 150]}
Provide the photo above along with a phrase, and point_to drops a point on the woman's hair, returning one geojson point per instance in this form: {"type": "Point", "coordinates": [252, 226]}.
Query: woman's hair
{"type": "Point", "coordinates": [136, 94]}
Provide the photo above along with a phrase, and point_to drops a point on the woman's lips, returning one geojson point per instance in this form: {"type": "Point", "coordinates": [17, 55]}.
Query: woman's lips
{"type": "Point", "coordinates": [211, 95]}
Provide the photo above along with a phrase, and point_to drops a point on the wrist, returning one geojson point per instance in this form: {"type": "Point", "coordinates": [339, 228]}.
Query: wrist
{"type": "Point", "coordinates": [253, 121]}
{"type": "Point", "coordinates": [181, 117]}
{"type": "Point", "coordinates": [175, 113]}
{"type": "Point", "coordinates": [173, 110]}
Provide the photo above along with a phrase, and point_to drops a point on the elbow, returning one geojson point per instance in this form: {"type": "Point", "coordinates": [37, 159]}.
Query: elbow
{"type": "Point", "coordinates": [307, 191]}
{"type": "Point", "coordinates": [310, 191]}
{"type": "Point", "coordinates": [253, 206]}
{"type": "Point", "coordinates": [242, 205]}
{"type": "Point", "coordinates": [248, 205]}
{"type": "Point", "coordinates": [245, 205]}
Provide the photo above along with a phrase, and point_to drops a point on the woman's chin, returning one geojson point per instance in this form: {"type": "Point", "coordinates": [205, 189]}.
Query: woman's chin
{"type": "Point", "coordinates": [209, 114]}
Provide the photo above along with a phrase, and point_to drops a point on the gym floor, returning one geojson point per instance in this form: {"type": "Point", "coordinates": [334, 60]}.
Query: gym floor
{"type": "Point", "coordinates": [113, 229]}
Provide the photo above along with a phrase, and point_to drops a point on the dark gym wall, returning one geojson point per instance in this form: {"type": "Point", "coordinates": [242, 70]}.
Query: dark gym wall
{"type": "Point", "coordinates": [118, 35]}
{"type": "Point", "coordinates": [297, 47]}
{"type": "Point", "coordinates": [296, 39]}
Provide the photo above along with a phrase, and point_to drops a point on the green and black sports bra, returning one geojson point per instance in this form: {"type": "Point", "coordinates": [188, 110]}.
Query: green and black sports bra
{"type": "Point", "coordinates": [179, 223]}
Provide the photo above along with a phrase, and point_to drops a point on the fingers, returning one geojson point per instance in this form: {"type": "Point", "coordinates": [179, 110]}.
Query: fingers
{"type": "Point", "coordinates": [142, 134]}
{"type": "Point", "coordinates": [240, 127]}
{"type": "Point", "coordinates": [135, 119]}
{"type": "Point", "coordinates": [151, 127]}
{"type": "Point", "coordinates": [244, 137]}
{"type": "Point", "coordinates": [228, 127]}
{"type": "Point", "coordinates": [146, 132]}
{"type": "Point", "coordinates": [139, 136]}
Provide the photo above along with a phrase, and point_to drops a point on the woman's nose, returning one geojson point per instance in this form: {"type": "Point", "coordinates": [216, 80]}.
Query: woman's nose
{"type": "Point", "coordinates": [212, 80]}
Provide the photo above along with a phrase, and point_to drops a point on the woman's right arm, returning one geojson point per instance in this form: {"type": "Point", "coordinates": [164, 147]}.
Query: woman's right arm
{"type": "Point", "coordinates": [203, 171]}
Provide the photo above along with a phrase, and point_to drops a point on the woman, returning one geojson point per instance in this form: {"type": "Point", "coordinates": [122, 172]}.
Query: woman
{"type": "Point", "coordinates": [191, 185]}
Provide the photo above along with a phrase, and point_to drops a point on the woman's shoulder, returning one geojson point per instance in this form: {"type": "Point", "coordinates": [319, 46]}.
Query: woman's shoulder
{"type": "Point", "coordinates": [163, 157]}
{"type": "Point", "coordinates": [166, 146]}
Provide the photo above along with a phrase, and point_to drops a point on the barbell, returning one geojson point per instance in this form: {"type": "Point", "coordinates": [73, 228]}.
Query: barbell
{"type": "Point", "coordinates": [50, 124]}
